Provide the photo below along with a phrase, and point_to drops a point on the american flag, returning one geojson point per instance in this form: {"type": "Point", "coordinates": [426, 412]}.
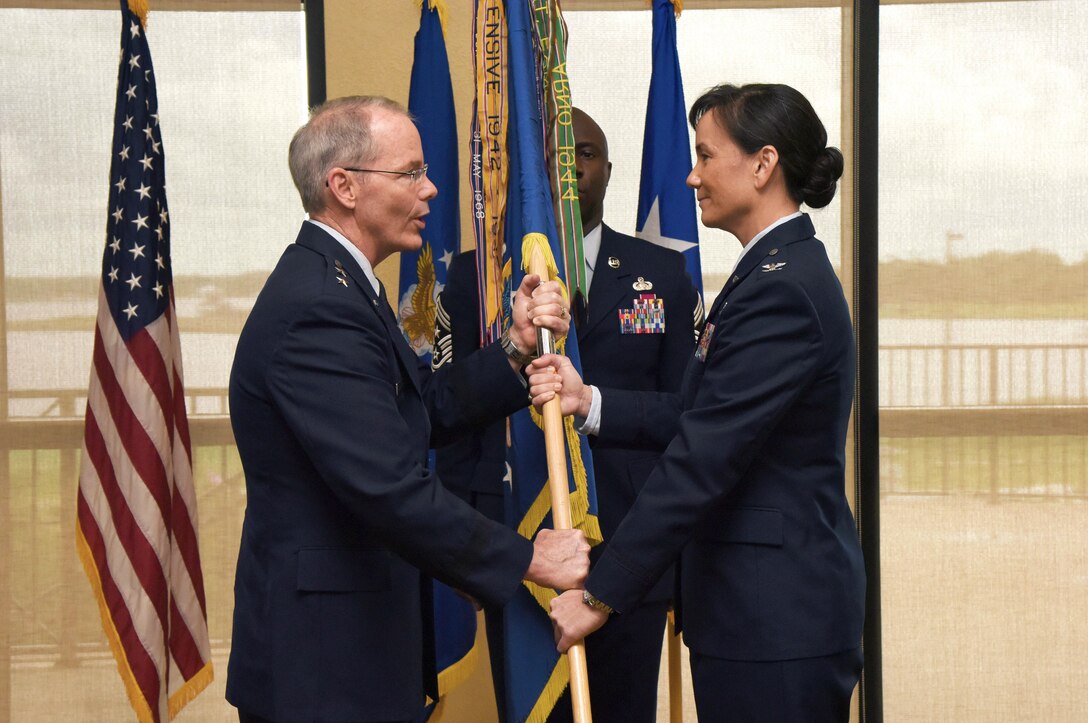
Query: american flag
{"type": "Point", "coordinates": [136, 525]}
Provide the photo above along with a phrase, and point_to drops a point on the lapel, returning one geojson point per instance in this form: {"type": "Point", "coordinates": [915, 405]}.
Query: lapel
{"type": "Point", "coordinates": [610, 287]}
{"type": "Point", "coordinates": [317, 239]}
{"type": "Point", "coordinates": [764, 251]}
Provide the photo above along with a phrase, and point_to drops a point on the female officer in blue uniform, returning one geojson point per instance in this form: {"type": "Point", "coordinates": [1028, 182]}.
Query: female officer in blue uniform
{"type": "Point", "coordinates": [750, 494]}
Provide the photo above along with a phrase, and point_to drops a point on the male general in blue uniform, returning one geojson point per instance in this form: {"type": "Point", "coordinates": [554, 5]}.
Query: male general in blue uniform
{"type": "Point", "coordinates": [636, 331]}
{"type": "Point", "coordinates": [333, 420]}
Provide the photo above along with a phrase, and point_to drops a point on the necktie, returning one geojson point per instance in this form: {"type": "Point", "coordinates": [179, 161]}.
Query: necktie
{"type": "Point", "coordinates": [581, 312]}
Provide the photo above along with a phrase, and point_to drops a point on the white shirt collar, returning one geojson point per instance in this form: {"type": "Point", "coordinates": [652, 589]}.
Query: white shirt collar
{"type": "Point", "coordinates": [352, 249]}
{"type": "Point", "coordinates": [591, 247]}
{"type": "Point", "coordinates": [761, 234]}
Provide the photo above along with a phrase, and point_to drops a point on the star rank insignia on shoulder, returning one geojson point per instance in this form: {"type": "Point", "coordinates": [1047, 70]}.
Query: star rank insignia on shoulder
{"type": "Point", "coordinates": [777, 266]}
{"type": "Point", "coordinates": [341, 275]}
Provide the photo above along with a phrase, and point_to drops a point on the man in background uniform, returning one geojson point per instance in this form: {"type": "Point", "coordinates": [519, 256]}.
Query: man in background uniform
{"type": "Point", "coordinates": [636, 332]}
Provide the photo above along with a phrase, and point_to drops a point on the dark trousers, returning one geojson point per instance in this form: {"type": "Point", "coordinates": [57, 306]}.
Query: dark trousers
{"type": "Point", "coordinates": [623, 660]}
{"type": "Point", "coordinates": [808, 690]}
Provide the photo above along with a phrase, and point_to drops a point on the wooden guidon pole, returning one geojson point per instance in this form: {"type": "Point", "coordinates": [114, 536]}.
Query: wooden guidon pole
{"type": "Point", "coordinates": [560, 493]}
{"type": "Point", "coordinates": [676, 686]}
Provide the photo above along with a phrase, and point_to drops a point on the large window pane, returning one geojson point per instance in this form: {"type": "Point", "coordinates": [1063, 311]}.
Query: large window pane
{"type": "Point", "coordinates": [799, 47]}
{"type": "Point", "coordinates": [231, 93]}
{"type": "Point", "coordinates": [984, 360]}
{"type": "Point", "coordinates": [231, 88]}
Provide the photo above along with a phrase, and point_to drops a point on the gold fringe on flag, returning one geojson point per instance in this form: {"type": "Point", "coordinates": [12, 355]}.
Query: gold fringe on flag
{"type": "Point", "coordinates": [554, 688]}
{"type": "Point", "coordinates": [135, 696]}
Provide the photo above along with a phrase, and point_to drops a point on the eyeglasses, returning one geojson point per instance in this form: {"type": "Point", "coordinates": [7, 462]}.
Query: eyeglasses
{"type": "Point", "coordinates": [416, 174]}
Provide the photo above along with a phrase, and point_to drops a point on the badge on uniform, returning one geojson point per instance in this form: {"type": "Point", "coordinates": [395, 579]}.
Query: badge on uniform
{"type": "Point", "coordinates": [341, 275]}
{"type": "Point", "coordinates": [704, 342]}
{"type": "Point", "coordinates": [647, 316]}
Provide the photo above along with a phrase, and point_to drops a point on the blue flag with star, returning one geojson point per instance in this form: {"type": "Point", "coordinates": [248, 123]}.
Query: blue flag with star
{"type": "Point", "coordinates": [430, 101]}
{"type": "Point", "coordinates": [666, 206]}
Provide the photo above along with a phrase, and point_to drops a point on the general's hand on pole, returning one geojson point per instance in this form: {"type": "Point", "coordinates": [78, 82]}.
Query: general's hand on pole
{"type": "Point", "coordinates": [560, 559]}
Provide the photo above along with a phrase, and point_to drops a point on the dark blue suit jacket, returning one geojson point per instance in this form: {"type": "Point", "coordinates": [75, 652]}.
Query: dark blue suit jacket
{"type": "Point", "coordinates": [751, 489]}
{"type": "Point", "coordinates": [333, 422]}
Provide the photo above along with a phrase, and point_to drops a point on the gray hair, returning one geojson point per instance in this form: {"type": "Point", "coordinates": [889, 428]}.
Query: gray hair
{"type": "Point", "coordinates": [337, 134]}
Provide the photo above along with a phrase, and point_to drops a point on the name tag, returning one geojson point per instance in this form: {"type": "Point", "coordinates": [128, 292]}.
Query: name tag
{"type": "Point", "coordinates": [647, 316]}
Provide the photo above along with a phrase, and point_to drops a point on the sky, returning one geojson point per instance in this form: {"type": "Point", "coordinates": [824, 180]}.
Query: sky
{"type": "Point", "coordinates": [983, 124]}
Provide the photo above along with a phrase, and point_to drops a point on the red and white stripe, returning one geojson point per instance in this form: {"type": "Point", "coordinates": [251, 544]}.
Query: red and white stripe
{"type": "Point", "coordinates": [137, 523]}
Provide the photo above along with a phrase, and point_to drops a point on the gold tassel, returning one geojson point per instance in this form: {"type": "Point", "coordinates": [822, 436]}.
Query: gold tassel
{"type": "Point", "coordinates": [140, 9]}
{"type": "Point", "coordinates": [539, 241]}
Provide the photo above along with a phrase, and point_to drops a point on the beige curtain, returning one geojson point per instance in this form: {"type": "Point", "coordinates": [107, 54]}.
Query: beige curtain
{"type": "Point", "coordinates": [984, 361]}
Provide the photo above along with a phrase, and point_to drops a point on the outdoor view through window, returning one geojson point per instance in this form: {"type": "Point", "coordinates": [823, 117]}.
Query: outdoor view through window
{"type": "Point", "coordinates": [983, 303]}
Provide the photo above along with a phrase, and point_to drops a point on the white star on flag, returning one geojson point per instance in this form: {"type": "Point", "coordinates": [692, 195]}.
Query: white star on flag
{"type": "Point", "coordinates": [651, 231]}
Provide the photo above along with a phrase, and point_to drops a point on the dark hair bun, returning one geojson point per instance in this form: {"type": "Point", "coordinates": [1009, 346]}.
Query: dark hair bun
{"type": "Point", "coordinates": [819, 188]}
